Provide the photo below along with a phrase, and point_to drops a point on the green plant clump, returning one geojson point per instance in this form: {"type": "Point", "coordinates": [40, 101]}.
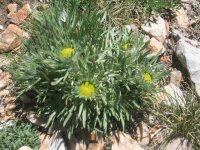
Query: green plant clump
{"type": "Point", "coordinates": [85, 73]}
{"type": "Point", "coordinates": [182, 121]}
{"type": "Point", "coordinates": [123, 12]}
{"type": "Point", "coordinates": [157, 5]}
{"type": "Point", "coordinates": [17, 135]}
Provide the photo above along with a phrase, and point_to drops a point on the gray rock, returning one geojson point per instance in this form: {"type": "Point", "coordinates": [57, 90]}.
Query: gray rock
{"type": "Point", "coordinates": [42, 121]}
{"type": "Point", "coordinates": [25, 148]}
{"type": "Point", "coordinates": [57, 142]}
{"type": "Point", "coordinates": [179, 144]}
{"type": "Point", "coordinates": [131, 27]}
{"type": "Point", "coordinates": [143, 134]}
{"type": "Point", "coordinates": [171, 96]}
{"type": "Point", "coordinates": [178, 35]}
{"type": "Point", "coordinates": [157, 29]}
{"type": "Point", "coordinates": [176, 77]}
{"type": "Point", "coordinates": [189, 56]}
{"type": "Point", "coordinates": [146, 38]}
{"type": "Point", "coordinates": [125, 142]}
{"type": "Point", "coordinates": [54, 142]}
{"type": "Point", "coordinates": [6, 124]}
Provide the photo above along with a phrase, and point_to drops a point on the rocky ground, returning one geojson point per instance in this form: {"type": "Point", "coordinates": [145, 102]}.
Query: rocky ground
{"type": "Point", "coordinates": [177, 40]}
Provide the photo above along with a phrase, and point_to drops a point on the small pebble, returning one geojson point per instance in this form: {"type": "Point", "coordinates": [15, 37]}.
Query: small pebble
{"type": "Point", "coordinates": [25, 148]}
{"type": "Point", "coordinates": [3, 84]}
{"type": "Point", "coordinates": [10, 107]}
{"type": "Point", "coordinates": [1, 27]}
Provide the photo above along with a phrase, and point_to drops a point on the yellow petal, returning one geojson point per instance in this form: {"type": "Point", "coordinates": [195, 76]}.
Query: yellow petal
{"type": "Point", "coordinates": [147, 77]}
{"type": "Point", "coordinates": [125, 46]}
{"type": "Point", "coordinates": [66, 52]}
{"type": "Point", "coordinates": [86, 89]}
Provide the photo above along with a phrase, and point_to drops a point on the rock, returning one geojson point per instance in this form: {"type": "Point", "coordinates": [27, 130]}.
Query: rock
{"type": "Point", "coordinates": [189, 57]}
{"type": "Point", "coordinates": [146, 38]}
{"type": "Point", "coordinates": [167, 26]}
{"type": "Point", "coordinates": [57, 142]}
{"type": "Point", "coordinates": [44, 146]}
{"type": "Point", "coordinates": [25, 148]}
{"type": "Point", "coordinates": [172, 95]}
{"type": "Point", "coordinates": [21, 15]}
{"type": "Point", "coordinates": [182, 18]}
{"type": "Point", "coordinates": [42, 6]}
{"type": "Point", "coordinates": [151, 119]}
{"type": "Point", "coordinates": [95, 146]}
{"type": "Point", "coordinates": [178, 35]}
{"type": "Point", "coordinates": [16, 30]}
{"type": "Point", "coordinates": [75, 144]}
{"type": "Point", "coordinates": [3, 84]}
{"type": "Point", "coordinates": [10, 38]}
{"type": "Point", "coordinates": [10, 100]}
{"type": "Point", "coordinates": [2, 110]}
{"type": "Point", "coordinates": [124, 141]}
{"type": "Point", "coordinates": [4, 93]}
{"type": "Point", "coordinates": [143, 134]}
{"type": "Point", "coordinates": [176, 77]}
{"type": "Point", "coordinates": [131, 27]}
{"type": "Point", "coordinates": [6, 124]}
{"type": "Point", "coordinates": [40, 121]}
{"type": "Point", "coordinates": [4, 61]}
{"type": "Point", "coordinates": [4, 80]}
{"type": "Point", "coordinates": [1, 27]}
{"type": "Point", "coordinates": [179, 144]}
{"type": "Point", "coordinates": [156, 46]}
{"type": "Point", "coordinates": [10, 107]}
{"type": "Point", "coordinates": [54, 142]}
{"type": "Point", "coordinates": [157, 29]}
{"type": "Point", "coordinates": [186, 1]}
{"type": "Point", "coordinates": [12, 7]}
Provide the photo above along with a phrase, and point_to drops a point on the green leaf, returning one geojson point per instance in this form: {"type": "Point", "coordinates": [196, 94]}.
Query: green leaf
{"type": "Point", "coordinates": [80, 110]}
{"type": "Point", "coordinates": [84, 115]}
{"type": "Point", "coordinates": [51, 119]}
{"type": "Point", "coordinates": [67, 119]}
{"type": "Point", "coordinates": [105, 121]}
{"type": "Point", "coordinates": [57, 81]}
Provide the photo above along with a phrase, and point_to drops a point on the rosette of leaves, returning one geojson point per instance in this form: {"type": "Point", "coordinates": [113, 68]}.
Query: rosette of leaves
{"type": "Point", "coordinates": [17, 135]}
{"type": "Point", "coordinates": [85, 73]}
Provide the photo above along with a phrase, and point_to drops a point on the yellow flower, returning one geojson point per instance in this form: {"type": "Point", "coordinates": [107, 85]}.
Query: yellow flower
{"type": "Point", "coordinates": [66, 52]}
{"type": "Point", "coordinates": [126, 46]}
{"type": "Point", "coordinates": [147, 77]}
{"type": "Point", "coordinates": [86, 89]}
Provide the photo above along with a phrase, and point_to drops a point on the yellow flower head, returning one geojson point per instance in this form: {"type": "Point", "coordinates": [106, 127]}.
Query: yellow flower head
{"type": "Point", "coordinates": [86, 89]}
{"type": "Point", "coordinates": [126, 46]}
{"type": "Point", "coordinates": [66, 52]}
{"type": "Point", "coordinates": [147, 77]}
